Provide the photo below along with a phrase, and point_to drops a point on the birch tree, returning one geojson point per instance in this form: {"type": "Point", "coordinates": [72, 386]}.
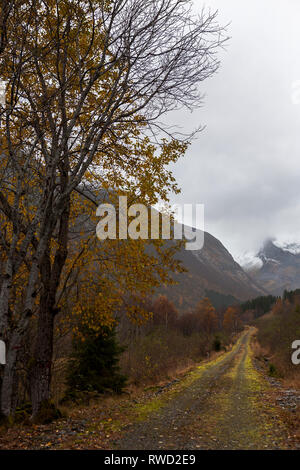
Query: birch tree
{"type": "Point", "coordinates": [89, 83]}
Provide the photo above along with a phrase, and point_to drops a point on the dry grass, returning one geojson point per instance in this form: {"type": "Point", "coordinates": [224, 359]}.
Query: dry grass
{"type": "Point", "coordinates": [293, 382]}
{"type": "Point", "coordinates": [150, 359]}
{"type": "Point", "coordinates": [159, 356]}
{"type": "Point", "coordinates": [259, 351]}
{"type": "Point", "coordinates": [276, 334]}
{"type": "Point", "coordinates": [293, 422]}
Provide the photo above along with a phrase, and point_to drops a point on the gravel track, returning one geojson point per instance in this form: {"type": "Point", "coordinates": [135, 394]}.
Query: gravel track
{"type": "Point", "coordinates": [225, 407]}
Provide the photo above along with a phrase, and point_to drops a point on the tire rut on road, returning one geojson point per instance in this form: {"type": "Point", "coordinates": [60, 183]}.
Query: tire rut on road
{"type": "Point", "coordinates": [224, 408]}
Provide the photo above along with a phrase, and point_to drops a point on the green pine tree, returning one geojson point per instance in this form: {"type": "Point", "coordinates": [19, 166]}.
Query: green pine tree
{"type": "Point", "coordinates": [94, 365]}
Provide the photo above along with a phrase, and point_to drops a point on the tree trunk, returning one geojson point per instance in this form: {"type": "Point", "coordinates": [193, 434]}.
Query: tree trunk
{"type": "Point", "coordinates": [7, 387]}
{"type": "Point", "coordinates": [50, 277]}
{"type": "Point", "coordinates": [41, 371]}
{"type": "Point", "coordinates": [9, 375]}
{"type": "Point", "coordinates": [13, 338]}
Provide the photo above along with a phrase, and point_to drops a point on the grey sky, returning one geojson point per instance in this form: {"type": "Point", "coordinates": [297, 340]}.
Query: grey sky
{"type": "Point", "coordinates": [245, 166]}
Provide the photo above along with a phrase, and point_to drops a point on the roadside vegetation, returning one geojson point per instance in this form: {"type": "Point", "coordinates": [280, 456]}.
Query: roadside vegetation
{"type": "Point", "coordinates": [91, 365]}
{"type": "Point", "coordinates": [172, 341]}
{"type": "Point", "coordinates": [276, 332]}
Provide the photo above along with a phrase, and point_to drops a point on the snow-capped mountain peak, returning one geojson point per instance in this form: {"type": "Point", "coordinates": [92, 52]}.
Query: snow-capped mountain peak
{"type": "Point", "coordinates": [278, 267]}
{"type": "Point", "coordinates": [249, 261]}
{"type": "Point", "coordinates": [291, 247]}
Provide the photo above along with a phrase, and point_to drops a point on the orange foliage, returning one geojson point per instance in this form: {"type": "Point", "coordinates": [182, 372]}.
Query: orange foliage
{"type": "Point", "coordinates": [164, 312]}
{"type": "Point", "coordinates": [231, 321]}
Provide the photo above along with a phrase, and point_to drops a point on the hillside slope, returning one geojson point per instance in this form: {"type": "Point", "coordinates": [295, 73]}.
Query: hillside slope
{"type": "Point", "coordinates": [211, 269]}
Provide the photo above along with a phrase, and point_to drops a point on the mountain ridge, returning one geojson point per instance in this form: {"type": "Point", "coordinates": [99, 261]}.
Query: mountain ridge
{"type": "Point", "coordinates": [279, 267]}
{"type": "Point", "coordinates": [211, 269]}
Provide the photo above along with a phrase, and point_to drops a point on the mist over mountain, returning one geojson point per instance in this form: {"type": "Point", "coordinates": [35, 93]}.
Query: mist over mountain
{"type": "Point", "coordinates": [276, 266]}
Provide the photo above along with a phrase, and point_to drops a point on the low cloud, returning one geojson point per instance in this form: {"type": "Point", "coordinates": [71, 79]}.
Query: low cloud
{"type": "Point", "coordinates": [245, 166]}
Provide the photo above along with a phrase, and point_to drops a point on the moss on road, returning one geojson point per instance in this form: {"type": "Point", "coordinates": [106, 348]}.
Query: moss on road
{"type": "Point", "coordinates": [222, 405]}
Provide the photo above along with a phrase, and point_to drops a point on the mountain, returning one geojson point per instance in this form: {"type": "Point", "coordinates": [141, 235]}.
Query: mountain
{"type": "Point", "coordinates": [212, 272]}
{"type": "Point", "coordinates": [279, 266]}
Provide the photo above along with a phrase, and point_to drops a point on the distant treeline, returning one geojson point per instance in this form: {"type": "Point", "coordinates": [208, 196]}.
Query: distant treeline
{"type": "Point", "coordinates": [264, 304]}
{"type": "Point", "coordinates": [260, 305]}
{"type": "Point", "coordinates": [291, 295]}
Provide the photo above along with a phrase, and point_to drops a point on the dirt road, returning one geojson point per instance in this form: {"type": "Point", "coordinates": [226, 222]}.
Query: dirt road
{"type": "Point", "coordinates": [223, 405]}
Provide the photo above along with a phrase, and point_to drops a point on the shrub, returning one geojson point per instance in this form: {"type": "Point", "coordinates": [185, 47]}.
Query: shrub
{"type": "Point", "coordinates": [272, 371]}
{"type": "Point", "coordinates": [217, 344]}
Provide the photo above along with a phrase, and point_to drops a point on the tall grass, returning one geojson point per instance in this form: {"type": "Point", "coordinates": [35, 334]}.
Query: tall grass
{"type": "Point", "coordinates": [276, 333]}
{"type": "Point", "coordinates": [159, 354]}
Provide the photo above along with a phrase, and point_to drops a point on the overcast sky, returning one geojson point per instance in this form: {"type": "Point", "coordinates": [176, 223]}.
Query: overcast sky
{"type": "Point", "coordinates": [245, 166]}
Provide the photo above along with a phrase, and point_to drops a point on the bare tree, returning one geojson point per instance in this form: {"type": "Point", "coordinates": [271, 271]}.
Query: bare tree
{"type": "Point", "coordinates": [6, 7]}
{"type": "Point", "coordinates": [83, 77]}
